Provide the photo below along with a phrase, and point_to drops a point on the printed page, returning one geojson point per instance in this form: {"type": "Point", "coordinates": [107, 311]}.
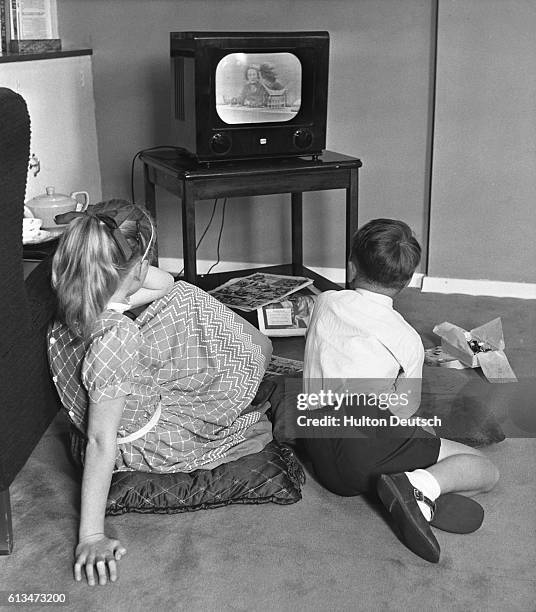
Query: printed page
{"type": "Point", "coordinates": [251, 292]}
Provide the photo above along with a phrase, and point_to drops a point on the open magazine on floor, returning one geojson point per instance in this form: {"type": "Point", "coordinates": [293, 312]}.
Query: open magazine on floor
{"type": "Point", "coordinates": [256, 290]}
{"type": "Point", "coordinates": [283, 366]}
{"type": "Point", "coordinates": [289, 316]}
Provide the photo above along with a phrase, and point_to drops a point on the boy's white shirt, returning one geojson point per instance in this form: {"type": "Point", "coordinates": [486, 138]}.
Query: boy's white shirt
{"type": "Point", "coordinates": [356, 335]}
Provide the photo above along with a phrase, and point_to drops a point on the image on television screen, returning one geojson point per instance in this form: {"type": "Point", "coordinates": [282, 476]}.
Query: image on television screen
{"type": "Point", "coordinates": [258, 87]}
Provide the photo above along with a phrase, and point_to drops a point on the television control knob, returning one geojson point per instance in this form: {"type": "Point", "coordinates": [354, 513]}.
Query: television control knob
{"type": "Point", "coordinates": [303, 139]}
{"type": "Point", "coordinates": [220, 143]}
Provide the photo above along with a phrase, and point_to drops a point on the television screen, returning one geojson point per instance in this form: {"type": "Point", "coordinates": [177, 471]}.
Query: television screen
{"type": "Point", "coordinates": [258, 87]}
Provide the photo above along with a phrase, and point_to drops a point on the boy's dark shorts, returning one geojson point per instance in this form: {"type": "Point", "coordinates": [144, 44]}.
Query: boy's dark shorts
{"type": "Point", "coordinates": [351, 466]}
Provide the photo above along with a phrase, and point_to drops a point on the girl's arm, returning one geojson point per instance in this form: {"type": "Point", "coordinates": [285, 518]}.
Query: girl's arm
{"type": "Point", "coordinates": [94, 549]}
{"type": "Point", "coordinates": [157, 283]}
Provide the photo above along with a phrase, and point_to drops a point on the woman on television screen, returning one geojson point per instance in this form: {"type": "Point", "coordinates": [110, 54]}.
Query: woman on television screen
{"type": "Point", "coordinates": [253, 90]}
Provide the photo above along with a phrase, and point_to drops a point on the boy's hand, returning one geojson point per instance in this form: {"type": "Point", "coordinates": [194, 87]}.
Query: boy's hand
{"type": "Point", "coordinates": [100, 553]}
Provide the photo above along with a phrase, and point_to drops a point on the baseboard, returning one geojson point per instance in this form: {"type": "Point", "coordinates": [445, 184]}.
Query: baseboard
{"type": "Point", "coordinates": [435, 284]}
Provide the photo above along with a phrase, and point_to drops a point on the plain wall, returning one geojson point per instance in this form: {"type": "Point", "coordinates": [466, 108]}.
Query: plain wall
{"type": "Point", "coordinates": [380, 109]}
{"type": "Point", "coordinates": [483, 217]}
{"type": "Point", "coordinates": [63, 130]}
{"type": "Point", "coordinates": [377, 110]}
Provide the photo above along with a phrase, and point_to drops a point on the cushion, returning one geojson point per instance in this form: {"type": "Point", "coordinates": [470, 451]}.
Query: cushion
{"type": "Point", "coordinates": [273, 475]}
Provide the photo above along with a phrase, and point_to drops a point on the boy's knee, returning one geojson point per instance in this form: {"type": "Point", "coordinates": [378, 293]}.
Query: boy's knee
{"type": "Point", "coordinates": [493, 477]}
{"type": "Point", "coordinates": [496, 474]}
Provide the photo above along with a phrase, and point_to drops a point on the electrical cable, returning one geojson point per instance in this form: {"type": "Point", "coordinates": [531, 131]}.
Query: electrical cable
{"type": "Point", "coordinates": [158, 148]}
{"type": "Point", "coordinates": [219, 237]}
{"type": "Point", "coordinates": [205, 230]}
{"type": "Point", "coordinates": [181, 149]}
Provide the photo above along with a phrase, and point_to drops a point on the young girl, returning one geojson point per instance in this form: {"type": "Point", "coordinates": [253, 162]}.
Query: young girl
{"type": "Point", "coordinates": [167, 392]}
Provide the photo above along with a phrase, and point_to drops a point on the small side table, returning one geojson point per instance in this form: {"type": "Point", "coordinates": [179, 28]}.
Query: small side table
{"type": "Point", "coordinates": [191, 181]}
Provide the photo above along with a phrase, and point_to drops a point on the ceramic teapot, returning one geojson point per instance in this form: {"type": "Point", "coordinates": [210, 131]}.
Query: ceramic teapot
{"type": "Point", "coordinates": [47, 206]}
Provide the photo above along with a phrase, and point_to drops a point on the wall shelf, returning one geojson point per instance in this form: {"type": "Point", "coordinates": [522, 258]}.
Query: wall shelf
{"type": "Point", "coordinates": [26, 57]}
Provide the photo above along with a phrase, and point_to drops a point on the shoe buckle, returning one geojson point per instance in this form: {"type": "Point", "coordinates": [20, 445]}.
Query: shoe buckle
{"type": "Point", "coordinates": [420, 497]}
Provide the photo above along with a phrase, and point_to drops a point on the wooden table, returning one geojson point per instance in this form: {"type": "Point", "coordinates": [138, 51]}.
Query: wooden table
{"type": "Point", "coordinates": [191, 181]}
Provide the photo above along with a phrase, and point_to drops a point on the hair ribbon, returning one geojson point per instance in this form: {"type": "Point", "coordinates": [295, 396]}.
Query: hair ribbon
{"type": "Point", "coordinates": [111, 223]}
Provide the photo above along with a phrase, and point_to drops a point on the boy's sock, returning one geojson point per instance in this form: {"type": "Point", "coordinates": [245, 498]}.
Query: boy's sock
{"type": "Point", "coordinates": [428, 485]}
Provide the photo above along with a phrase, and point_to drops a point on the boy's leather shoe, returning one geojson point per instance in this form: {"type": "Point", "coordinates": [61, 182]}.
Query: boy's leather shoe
{"type": "Point", "coordinates": [398, 496]}
{"type": "Point", "coordinates": [457, 513]}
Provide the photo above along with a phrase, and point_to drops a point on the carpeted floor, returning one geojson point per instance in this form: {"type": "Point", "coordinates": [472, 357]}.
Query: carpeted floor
{"type": "Point", "coordinates": [323, 553]}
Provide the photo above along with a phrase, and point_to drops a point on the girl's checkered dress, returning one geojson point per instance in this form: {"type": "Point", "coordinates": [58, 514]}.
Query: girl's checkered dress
{"type": "Point", "coordinates": [186, 351]}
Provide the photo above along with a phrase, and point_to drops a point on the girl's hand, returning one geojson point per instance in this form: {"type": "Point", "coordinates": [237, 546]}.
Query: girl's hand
{"type": "Point", "coordinates": [97, 551]}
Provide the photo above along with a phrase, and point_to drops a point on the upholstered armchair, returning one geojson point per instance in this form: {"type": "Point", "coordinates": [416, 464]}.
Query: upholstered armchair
{"type": "Point", "coordinates": [28, 400]}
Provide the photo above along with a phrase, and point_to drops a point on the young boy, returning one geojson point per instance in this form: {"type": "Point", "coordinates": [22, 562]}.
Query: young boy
{"type": "Point", "coordinates": [357, 341]}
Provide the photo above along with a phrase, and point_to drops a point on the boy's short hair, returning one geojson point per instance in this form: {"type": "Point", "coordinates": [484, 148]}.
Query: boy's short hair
{"type": "Point", "coordinates": [386, 252]}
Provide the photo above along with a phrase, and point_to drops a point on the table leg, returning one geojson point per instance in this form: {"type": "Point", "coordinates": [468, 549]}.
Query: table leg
{"type": "Point", "coordinates": [351, 215]}
{"type": "Point", "coordinates": [188, 234]}
{"type": "Point", "coordinates": [6, 530]}
{"type": "Point", "coordinates": [150, 204]}
{"type": "Point", "coordinates": [297, 232]}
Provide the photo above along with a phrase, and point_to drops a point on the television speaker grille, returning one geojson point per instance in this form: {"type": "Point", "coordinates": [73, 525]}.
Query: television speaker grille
{"type": "Point", "coordinates": [178, 80]}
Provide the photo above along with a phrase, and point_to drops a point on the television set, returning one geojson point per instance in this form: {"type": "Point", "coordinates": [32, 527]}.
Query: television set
{"type": "Point", "coordinates": [249, 95]}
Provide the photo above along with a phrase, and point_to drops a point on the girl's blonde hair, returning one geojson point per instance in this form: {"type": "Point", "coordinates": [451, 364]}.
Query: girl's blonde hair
{"type": "Point", "coordinates": [90, 261]}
